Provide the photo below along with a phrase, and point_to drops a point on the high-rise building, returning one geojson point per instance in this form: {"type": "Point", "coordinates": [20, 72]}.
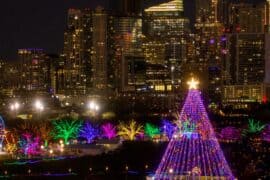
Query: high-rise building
{"type": "Point", "coordinates": [247, 59]}
{"type": "Point", "coordinates": [78, 51]}
{"type": "Point", "coordinates": [248, 18]}
{"type": "Point", "coordinates": [208, 48]}
{"type": "Point", "coordinates": [34, 69]}
{"type": "Point", "coordinates": [127, 6]}
{"type": "Point", "coordinates": [99, 61]}
{"type": "Point", "coordinates": [164, 26]}
{"type": "Point", "coordinates": [124, 41]}
{"type": "Point", "coordinates": [10, 78]}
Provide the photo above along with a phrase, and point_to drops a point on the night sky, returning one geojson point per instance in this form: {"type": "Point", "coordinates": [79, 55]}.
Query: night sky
{"type": "Point", "coordinates": [35, 23]}
{"type": "Point", "coordinates": [41, 23]}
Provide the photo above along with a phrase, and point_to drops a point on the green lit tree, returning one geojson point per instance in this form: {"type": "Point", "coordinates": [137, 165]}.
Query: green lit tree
{"type": "Point", "coordinates": [66, 129]}
{"type": "Point", "coordinates": [151, 130]}
{"type": "Point", "coordinates": [129, 130]}
{"type": "Point", "coordinates": [254, 127]}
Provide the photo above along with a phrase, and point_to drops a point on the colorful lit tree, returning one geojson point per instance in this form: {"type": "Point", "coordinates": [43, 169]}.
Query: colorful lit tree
{"type": "Point", "coordinates": [109, 130]}
{"type": "Point", "coordinates": [254, 127]}
{"type": "Point", "coordinates": [194, 150]}
{"type": "Point", "coordinates": [151, 130]}
{"type": "Point", "coordinates": [129, 130]}
{"type": "Point", "coordinates": [29, 145]}
{"type": "Point", "coordinates": [11, 140]}
{"type": "Point", "coordinates": [168, 128]}
{"type": "Point", "coordinates": [230, 133]}
{"type": "Point", "coordinates": [44, 132]}
{"type": "Point", "coordinates": [266, 133]}
{"type": "Point", "coordinates": [66, 129]}
{"type": "Point", "coordinates": [89, 132]}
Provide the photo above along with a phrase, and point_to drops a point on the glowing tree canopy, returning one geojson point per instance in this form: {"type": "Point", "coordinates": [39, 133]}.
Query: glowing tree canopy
{"type": "Point", "coordinates": [66, 129]}
{"type": "Point", "coordinates": [29, 145]}
{"type": "Point", "coordinates": [109, 130]}
{"type": "Point", "coordinates": [89, 132]}
{"type": "Point", "coordinates": [129, 130]}
{"type": "Point", "coordinates": [193, 152]}
{"type": "Point", "coordinates": [44, 131]}
{"type": "Point", "coordinates": [230, 133]}
{"type": "Point", "coordinates": [11, 142]}
{"type": "Point", "coordinates": [168, 128]}
{"type": "Point", "coordinates": [266, 133]}
{"type": "Point", "coordinates": [151, 130]}
{"type": "Point", "coordinates": [254, 127]}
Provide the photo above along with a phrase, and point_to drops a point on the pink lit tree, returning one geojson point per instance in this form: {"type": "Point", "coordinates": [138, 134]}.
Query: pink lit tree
{"type": "Point", "coordinates": [29, 145]}
{"type": "Point", "coordinates": [193, 151]}
{"type": "Point", "coordinates": [109, 130]}
{"type": "Point", "coordinates": [266, 133]}
{"type": "Point", "coordinates": [230, 133]}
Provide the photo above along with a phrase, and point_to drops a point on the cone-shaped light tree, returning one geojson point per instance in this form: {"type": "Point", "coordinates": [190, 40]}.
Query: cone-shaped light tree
{"type": "Point", "coordinates": [194, 151]}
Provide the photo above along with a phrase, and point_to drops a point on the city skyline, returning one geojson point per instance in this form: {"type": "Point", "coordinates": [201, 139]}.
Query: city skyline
{"type": "Point", "coordinates": [135, 89]}
{"type": "Point", "coordinates": [19, 31]}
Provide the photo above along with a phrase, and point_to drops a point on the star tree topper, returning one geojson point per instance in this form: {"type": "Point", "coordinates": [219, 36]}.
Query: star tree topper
{"type": "Point", "coordinates": [193, 84]}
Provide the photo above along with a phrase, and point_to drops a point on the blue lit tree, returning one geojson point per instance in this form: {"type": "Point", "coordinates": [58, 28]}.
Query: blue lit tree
{"type": "Point", "coordinates": [89, 132]}
{"type": "Point", "coordinates": [168, 128]}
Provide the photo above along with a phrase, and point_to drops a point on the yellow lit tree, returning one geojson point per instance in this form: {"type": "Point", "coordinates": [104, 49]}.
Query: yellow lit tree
{"type": "Point", "coordinates": [11, 140]}
{"type": "Point", "coordinates": [130, 130]}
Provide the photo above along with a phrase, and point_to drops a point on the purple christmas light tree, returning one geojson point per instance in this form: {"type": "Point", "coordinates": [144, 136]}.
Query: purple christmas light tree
{"type": "Point", "coordinates": [168, 128]}
{"type": "Point", "coordinates": [194, 151]}
{"type": "Point", "coordinates": [109, 130]}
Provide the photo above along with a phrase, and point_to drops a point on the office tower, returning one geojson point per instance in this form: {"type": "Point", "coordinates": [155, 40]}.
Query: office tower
{"type": "Point", "coordinates": [34, 69]}
{"type": "Point", "coordinates": [55, 78]}
{"type": "Point", "coordinates": [78, 51]}
{"type": "Point", "coordinates": [164, 26]}
{"type": "Point", "coordinates": [127, 7]}
{"type": "Point", "coordinates": [124, 41]}
{"type": "Point", "coordinates": [99, 61]}
{"type": "Point", "coordinates": [206, 11]}
{"type": "Point", "coordinates": [247, 67]}
{"type": "Point", "coordinates": [247, 58]}
{"type": "Point", "coordinates": [248, 18]}
{"type": "Point", "coordinates": [208, 48]}
{"type": "Point", "coordinates": [247, 62]}
{"type": "Point", "coordinates": [10, 78]}
{"type": "Point", "coordinates": [133, 73]}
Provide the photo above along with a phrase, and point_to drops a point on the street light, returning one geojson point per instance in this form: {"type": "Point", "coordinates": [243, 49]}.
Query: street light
{"type": "Point", "coordinates": [39, 107]}
{"type": "Point", "coordinates": [93, 106]}
{"type": "Point", "coordinates": [15, 107]}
